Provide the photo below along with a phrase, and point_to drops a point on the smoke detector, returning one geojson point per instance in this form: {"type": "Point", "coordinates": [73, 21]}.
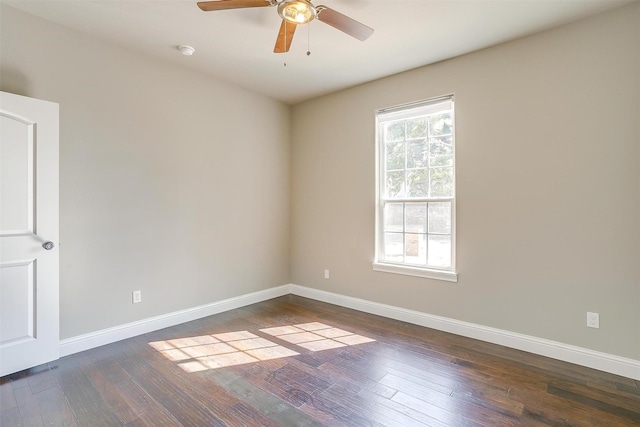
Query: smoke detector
{"type": "Point", "coordinates": [186, 50]}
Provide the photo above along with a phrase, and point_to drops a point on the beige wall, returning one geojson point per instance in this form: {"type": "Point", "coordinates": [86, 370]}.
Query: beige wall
{"type": "Point", "coordinates": [171, 182]}
{"type": "Point", "coordinates": [548, 181]}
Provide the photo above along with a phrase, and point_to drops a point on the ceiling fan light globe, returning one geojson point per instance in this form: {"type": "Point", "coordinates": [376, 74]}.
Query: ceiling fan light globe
{"type": "Point", "coordinates": [297, 11]}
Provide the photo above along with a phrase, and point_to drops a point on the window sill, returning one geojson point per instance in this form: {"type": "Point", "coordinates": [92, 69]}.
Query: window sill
{"type": "Point", "coordinates": [448, 276]}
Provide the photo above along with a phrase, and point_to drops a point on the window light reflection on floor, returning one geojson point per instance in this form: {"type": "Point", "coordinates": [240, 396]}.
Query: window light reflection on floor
{"type": "Point", "coordinates": [205, 352]}
{"type": "Point", "coordinates": [316, 336]}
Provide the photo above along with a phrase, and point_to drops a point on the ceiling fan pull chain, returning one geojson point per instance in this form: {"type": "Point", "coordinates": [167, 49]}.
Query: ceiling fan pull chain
{"type": "Point", "coordinates": [285, 42]}
{"type": "Point", "coordinates": [309, 39]}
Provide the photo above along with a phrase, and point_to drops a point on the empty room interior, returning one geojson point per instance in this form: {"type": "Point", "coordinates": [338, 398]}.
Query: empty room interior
{"type": "Point", "coordinates": [423, 213]}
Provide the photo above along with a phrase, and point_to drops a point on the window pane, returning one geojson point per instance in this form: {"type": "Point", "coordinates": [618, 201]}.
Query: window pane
{"type": "Point", "coordinates": [417, 128]}
{"type": "Point", "coordinates": [441, 182]}
{"type": "Point", "coordinates": [393, 216]}
{"type": "Point", "coordinates": [417, 154]}
{"type": "Point", "coordinates": [395, 184]}
{"type": "Point", "coordinates": [441, 144]}
{"type": "Point", "coordinates": [440, 251]}
{"type": "Point", "coordinates": [415, 249]}
{"type": "Point", "coordinates": [441, 151]}
{"type": "Point", "coordinates": [394, 131]}
{"type": "Point", "coordinates": [417, 183]}
{"type": "Point", "coordinates": [440, 124]}
{"type": "Point", "coordinates": [416, 217]}
{"type": "Point", "coordinates": [437, 161]}
{"type": "Point", "coordinates": [395, 155]}
{"type": "Point", "coordinates": [440, 218]}
{"type": "Point", "coordinates": [393, 244]}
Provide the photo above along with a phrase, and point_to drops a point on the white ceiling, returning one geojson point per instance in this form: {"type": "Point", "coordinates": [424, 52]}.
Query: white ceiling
{"type": "Point", "coordinates": [237, 45]}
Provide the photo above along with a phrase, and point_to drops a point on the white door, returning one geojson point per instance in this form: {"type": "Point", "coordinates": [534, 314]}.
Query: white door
{"type": "Point", "coordinates": [29, 273]}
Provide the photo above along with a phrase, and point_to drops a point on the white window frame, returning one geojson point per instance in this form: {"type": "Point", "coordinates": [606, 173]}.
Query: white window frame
{"type": "Point", "coordinates": [379, 264]}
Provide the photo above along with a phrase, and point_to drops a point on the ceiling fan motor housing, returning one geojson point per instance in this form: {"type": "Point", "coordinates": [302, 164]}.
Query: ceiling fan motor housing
{"type": "Point", "coordinates": [297, 11]}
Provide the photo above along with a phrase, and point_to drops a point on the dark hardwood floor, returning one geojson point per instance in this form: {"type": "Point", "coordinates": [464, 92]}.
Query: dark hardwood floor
{"type": "Point", "coordinates": [292, 361]}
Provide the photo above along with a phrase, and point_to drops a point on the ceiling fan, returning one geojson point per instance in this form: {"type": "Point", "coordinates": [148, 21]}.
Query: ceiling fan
{"type": "Point", "coordinates": [294, 13]}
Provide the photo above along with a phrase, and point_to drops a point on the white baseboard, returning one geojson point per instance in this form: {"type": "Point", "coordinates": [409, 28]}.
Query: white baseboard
{"type": "Point", "coordinates": [581, 356]}
{"type": "Point", "coordinates": [106, 336]}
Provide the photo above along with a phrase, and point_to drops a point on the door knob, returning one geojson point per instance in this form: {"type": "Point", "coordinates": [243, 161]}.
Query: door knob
{"type": "Point", "coordinates": [48, 245]}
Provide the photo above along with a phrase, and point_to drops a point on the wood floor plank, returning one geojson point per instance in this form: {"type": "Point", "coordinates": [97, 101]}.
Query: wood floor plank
{"type": "Point", "coordinates": [267, 403]}
{"type": "Point", "coordinates": [341, 409]}
{"type": "Point", "coordinates": [55, 410]}
{"type": "Point", "coordinates": [546, 408]}
{"type": "Point", "coordinates": [629, 393]}
{"type": "Point", "coordinates": [359, 365]}
{"type": "Point", "coordinates": [618, 406]}
{"type": "Point", "coordinates": [140, 423]}
{"type": "Point", "coordinates": [447, 416]}
{"type": "Point", "coordinates": [10, 417]}
{"type": "Point", "coordinates": [284, 391]}
{"type": "Point", "coordinates": [607, 397]}
{"type": "Point", "coordinates": [41, 380]}
{"type": "Point", "coordinates": [344, 377]}
{"type": "Point", "coordinates": [302, 398]}
{"type": "Point", "coordinates": [111, 395]}
{"type": "Point", "coordinates": [359, 403]}
{"type": "Point", "coordinates": [431, 378]}
{"type": "Point", "coordinates": [126, 392]}
{"type": "Point", "coordinates": [19, 379]}
{"type": "Point", "coordinates": [299, 382]}
{"type": "Point", "coordinates": [552, 410]}
{"type": "Point", "coordinates": [7, 396]}
{"type": "Point", "coordinates": [410, 414]}
{"type": "Point", "coordinates": [433, 401]}
{"type": "Point", "coordinates": [29, 407]}
{"type": "Point", "coordinates": [501, 375]}
{"type": "Point", "coordinates": [86, 402]}
{"type": "Point", "coordinates": [626, 388]}
{"type": "Point", "coordinates": [170, 394]}
{"type": "Point", "coordinates": [546, 365]}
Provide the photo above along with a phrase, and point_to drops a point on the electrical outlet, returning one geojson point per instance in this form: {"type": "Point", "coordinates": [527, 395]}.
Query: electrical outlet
{"type": "Point", "coordinates": [326, 274]}
{"type": "Point", "coordinates": [593, 320]}
{"type": "Point", "coordinates": [136, 297]}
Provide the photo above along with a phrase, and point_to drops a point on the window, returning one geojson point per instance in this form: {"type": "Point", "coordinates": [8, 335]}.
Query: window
{"type": "Point", "coordinates": [415, 212]}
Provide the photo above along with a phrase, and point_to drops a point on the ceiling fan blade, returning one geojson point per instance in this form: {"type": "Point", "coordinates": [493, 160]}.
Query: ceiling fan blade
{"type": "Point", "coordinates": [343, 23]}
{"type": "Point", "coordinates": [231, 4]}
{"type": "Point", "coordinates": [285, 35]}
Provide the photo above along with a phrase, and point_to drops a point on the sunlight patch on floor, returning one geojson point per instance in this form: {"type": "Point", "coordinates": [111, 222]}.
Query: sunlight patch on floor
{"type": "Point", "coordinates": [220, 350]}
{"type": "Point", "coordinates": [316, 336]}
{"type": "Point", "coordinates": [194, 354]}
